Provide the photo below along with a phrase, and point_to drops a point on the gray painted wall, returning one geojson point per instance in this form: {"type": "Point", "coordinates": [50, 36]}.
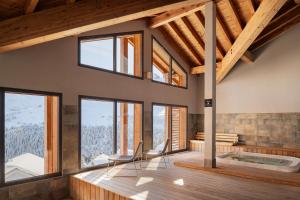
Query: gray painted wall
{"type": "Point", "coordinates": [270, 85]}
{"type": "Point", "coordinates": [53, 67]}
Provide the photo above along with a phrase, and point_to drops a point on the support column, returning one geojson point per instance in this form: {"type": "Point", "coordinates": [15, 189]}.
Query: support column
{"type": "Point", "coordinates": [210, 86]}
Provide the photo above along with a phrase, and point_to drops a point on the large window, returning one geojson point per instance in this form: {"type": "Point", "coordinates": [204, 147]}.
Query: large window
{"type": "Point", "coordinates": [117, 53]}
{"type": "Point", "coordinates": [108, 127]}
{"type": "Point", "coordinates": [165, 69]}
{"type": "Point", "coordinates": [30, 134]}
{"type": "Point", "coordinates": [169, 122]}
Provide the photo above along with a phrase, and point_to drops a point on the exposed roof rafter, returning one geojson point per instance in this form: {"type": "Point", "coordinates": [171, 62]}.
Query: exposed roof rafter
{"type": "Point", "coordinates": [172, 15]}
{"type": "Point", "coordinates": [30, 6]}
{"type": "Point", "coordinates": [266, 11]}
{"type": "Point", "coordinates": [13, 36]}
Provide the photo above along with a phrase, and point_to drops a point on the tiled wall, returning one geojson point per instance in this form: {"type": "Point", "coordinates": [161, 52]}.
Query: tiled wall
{"type": "Point", "coordinates": [263, 129]}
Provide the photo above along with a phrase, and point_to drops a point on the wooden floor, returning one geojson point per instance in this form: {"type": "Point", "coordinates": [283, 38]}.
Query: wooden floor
{"type": "Point", "coordinates": [176, 183]}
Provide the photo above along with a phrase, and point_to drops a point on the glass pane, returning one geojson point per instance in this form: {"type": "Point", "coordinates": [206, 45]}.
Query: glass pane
{"type": "Point", "coordinates": [179, 125]}
{"type": "Point", "coordinates": [178, 75]}
{"type": "Point", "coordinates": [161, 63]}
{"type": "Point", "coordinates": [129, 54]}
{"type": "Point", "coordinates": [129, 122]}
{"type": "Point", "coordinates": [31, 136]}
{"type": "Point", "coordinates": [97, 53]}
{"type": "Point", "coordinates": [161, 128]}
{"type": "Point", "coordinates": [97, 122]}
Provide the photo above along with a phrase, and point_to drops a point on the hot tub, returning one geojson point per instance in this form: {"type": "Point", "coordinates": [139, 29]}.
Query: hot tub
{"type": "Point", "coordinates": [263, 161]}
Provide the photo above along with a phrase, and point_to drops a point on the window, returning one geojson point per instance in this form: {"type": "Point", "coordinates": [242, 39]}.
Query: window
{"type": "Point", "coordinates": [165, 69]}
{"type": "Point", "coordinates": [116, 53]}
{"type": "Point", "coordinates": [108, 127]}
{"type": "Point", "coordinates": [169, 122]}
{"type": "Point", "coordinates": [31, 134]}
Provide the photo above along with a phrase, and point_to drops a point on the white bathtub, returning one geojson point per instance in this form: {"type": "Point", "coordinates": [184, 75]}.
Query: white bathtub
{"type": "Point", "coordinates": [263, 161]}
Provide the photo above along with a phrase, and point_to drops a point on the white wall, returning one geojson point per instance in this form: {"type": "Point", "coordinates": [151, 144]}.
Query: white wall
{"type": "Point", "coordinates": [270, 85]}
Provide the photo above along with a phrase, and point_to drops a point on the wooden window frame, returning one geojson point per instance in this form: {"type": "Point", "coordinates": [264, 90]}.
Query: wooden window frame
{"type": "Point", "coordinates": [115, 101]}
{"type": "Point", "coordinates": [170, 67]}
{"type": "Point", "coordinates": [3, 90]}
{"type": "Point", "coordinates": [170, 121]}
{"type": "Point", "coordinates": [114, 36]}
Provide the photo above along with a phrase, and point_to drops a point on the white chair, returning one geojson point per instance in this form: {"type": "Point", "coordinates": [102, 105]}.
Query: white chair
{"type": "Point", "coordinates": [156, 153]}
{"type": "Point", "coordinates": [126, 158]}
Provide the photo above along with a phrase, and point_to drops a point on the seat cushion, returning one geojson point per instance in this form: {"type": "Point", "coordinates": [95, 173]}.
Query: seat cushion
{"type": "Point", "coordinates": [153, 152]}
{"type": "Point", "coordinates": [117, 157]}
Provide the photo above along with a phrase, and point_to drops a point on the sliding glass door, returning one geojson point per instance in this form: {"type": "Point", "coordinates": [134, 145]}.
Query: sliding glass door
{"type": "Point", "coordinates": [108, 126]}
{"type": "Point", "coordinates": [169, 122]}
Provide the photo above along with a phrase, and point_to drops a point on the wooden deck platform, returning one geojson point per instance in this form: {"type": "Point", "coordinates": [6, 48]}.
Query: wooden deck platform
{"type": "Point", "coordinates": [176, 183]}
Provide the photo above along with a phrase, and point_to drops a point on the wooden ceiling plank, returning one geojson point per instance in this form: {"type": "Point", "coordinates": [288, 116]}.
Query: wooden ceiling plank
{"type": "Point", "coordinates": [277, 26]}
{"type": "Point", "coordinates": [196, 36]}
{"type": "Point", "coordinates": [234, 14]}
{"type": "Point", "coordinates": [82, 16]}
{"type": "Point", "coordinates": [174, 44]}
{"type": "Point", "coordinates": [220, 48]}
{"type": "Point", "coordinates": [172, 15]}
{"type": "Point", "coordinates": [30, 6]}
{"type": "Point", "coordinates": [186, 42]}
{"type": "Point", "coordinates": [275, 34]}
{"type": "Point", "coordinates": [264, 14]}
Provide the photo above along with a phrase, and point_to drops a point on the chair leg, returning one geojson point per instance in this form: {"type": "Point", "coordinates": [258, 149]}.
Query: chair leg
{"type": "Point", "coordinates": [107, 168]}
{"type": "Point", "coordinates": [136, 171]}
{"type": "Point", "coordinates": [166, 166]}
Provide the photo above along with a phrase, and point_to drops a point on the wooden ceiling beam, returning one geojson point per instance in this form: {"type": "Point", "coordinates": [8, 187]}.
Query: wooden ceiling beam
{"type": "Point", "coordinates": [172, 15]}
{"type": "Point", "coordinates": [186, 42]}
{"type": "Point", "coordinates": [265, 12]}
{"type": "Point", "coordinates": [201, 69]}
{"type": "Point", "coordinates": [82, 16]}
{"type": "Point", "coordinates": [277, 26]}
{"type": "Point", "coordinates": [70, 1]}
{"type": "Point", "coordinates": [30, 6]}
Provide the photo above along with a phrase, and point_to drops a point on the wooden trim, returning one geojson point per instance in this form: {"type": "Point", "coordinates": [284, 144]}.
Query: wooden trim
{"type": "Point", "coordinates": [254, 27]}
{"type": "Point", "coordinates": [137, 43]}
{"type": "Point", "coordinates": [172, 15]}
{"type": "Point", "coordinates": [124, 128]}
{"type": "Point", "coordinates": [30, 6]}
{"type": "Point", "coordinates": [13, 36]}
{"type": "Point", "coordinates": [51, 134]}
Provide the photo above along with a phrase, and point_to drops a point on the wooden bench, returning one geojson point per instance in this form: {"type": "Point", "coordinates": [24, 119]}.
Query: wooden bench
{"type": "Point", "coordinates": [221, 138]}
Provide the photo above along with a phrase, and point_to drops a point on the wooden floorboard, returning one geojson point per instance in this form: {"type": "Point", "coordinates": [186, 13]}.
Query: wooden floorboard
{"type": "Point", "coordinates": [174, 183]}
